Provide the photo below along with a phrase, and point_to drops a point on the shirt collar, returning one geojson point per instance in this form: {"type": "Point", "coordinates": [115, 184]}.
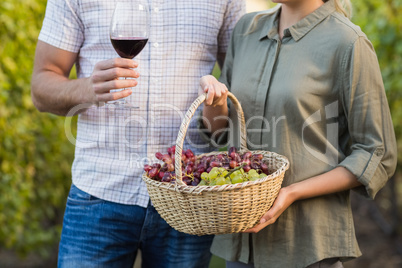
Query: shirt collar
{"type": "Point", "coordinates": [270, 28]}
{"type": "Point", "coordinates": [301, 28]}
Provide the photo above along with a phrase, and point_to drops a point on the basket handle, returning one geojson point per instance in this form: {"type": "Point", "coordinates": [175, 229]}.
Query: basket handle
{"type": "Point", "coordinates": [186, 122]}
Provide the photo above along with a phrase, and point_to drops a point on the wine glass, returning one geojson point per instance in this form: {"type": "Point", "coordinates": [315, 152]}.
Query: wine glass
{"type": "Point", "coordinates": [129, 32]}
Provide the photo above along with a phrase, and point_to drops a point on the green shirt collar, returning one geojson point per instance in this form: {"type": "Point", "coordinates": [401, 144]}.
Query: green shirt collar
{"type": "Point", "coordinates": [301, 28]}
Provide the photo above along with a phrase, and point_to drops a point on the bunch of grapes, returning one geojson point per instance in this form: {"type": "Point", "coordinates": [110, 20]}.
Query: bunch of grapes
{"type": "Point", "coordinates": [220, 176]}
{"type": "Point", "coordinates": [223, 168]}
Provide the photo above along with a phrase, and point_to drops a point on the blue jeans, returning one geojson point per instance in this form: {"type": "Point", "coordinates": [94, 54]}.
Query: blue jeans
{"type": "Point", "coordinates": [98, 233]}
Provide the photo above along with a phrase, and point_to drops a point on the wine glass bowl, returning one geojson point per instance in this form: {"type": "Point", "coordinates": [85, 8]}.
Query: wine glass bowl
{"type": "Point", "coordinates": [129, 31]}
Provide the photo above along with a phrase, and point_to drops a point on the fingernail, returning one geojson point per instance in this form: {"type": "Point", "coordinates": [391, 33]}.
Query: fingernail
{"type": "Point", "coordinates": [263, 220]}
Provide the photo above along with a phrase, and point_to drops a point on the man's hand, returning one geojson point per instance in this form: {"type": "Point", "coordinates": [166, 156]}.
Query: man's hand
{"type": "Point", "coordinates": [54, 92]}
{"type": "Point", "coordinates": [105, 77]}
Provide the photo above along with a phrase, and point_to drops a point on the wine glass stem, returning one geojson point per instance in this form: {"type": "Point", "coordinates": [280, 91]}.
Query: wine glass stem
{"type": "Point", "coordinates": [123, 100]}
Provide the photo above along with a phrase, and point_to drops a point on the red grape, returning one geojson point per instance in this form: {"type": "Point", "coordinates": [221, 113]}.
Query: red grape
{"type": "Point", "coordinates": [215, 164]}
{"type": "Point", "coordinates": [156, 165]}
{"type": "Point", "coordinates": [171, 150]}
{"type": "Point", "coordinates": [197, 175]}
{"type": "Point", "coordinates": [255, 165]}
{"type": "Point", "coordinates": [153, 172]}
{"type": "Point", "coordinates": [195, 182]}
{"type": "Point", "coordinates": [232, 155]}
{"type": "Point", "coordinates": [170, 167]}
{"type": "Point", "coordinates": [247, 161]}
{"type": "Point", "coordinates": [258, 156]}
{"type": "Point", "coordinates": [166, 179]}
{"type": "Point", "coordinates": [187, 180]}
{"type": "Point", "coordinates": [246, 168]}
{"type": "Point", "coordinates": [164, 167]}
{"type": "Point", "coordinates": [188, 169]}
{"type": "Point", "coordinates": [219, 157]}
{"type": "Point", "coordinates": [147, 168]}
{"type": "Point", "coordinates": [247, 155]}
{"type": "Point", "coordinates": [233, 164]}
{"type": "Point", "coordinates": [158, 155]}
{"type": "Point", "coordinates": [264, 168]}
{"type": "Point", "coordinates": [189, 153]}
{"type": "Point", "coordinates": [200, 169]}
{"type": "Point", "coordinates": [167, 159]}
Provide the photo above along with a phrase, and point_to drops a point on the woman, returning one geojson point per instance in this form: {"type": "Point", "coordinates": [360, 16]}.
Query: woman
{"type": "Point", "coordinates": [311, 89]}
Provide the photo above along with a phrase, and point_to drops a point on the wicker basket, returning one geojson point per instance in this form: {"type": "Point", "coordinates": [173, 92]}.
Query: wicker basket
{"type": "Point", "coordinates": [220, 209]}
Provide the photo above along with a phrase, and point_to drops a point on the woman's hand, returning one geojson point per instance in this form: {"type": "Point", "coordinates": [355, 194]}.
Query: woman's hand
{"type": "Point", "coordinates": [284, 199]}
{"type": "Point", "coordinates": [217, 92]}
{"type": "Point", "coordinates": [336, 180]}
{"type": "Point", "coordinates": [105, 77]}
{"type": "Point", "coordinates": [215, 112]}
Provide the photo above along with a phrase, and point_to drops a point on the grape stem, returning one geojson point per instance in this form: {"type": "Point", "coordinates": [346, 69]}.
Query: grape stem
{"type": "Point", "coordinates": [235, 169]}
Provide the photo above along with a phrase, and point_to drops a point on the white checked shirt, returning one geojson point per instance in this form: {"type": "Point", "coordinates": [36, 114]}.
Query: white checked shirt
{"type": "Point", "coordinates": [113, 145]}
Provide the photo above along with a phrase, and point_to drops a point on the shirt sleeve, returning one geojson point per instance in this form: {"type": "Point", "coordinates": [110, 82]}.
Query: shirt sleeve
{"type": "Point", "coordinates": [234, 11]}
{"type": "Point", "coordinates": [373, 155]}
{"type": "Point", "coordinates": [62, 26]}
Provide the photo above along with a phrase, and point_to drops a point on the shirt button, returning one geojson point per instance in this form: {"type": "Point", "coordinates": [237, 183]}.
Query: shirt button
{"type": "Point", "coordinates": [156, 44]}
{"type": "Point", "coordinates": [156, 10]}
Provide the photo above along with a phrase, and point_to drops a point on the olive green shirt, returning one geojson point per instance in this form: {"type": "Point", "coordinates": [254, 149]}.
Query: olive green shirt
{"type": "Point", "coordinates": [317, 97]}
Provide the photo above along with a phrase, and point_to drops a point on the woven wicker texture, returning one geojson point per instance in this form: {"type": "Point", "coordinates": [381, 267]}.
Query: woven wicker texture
{"type": "Point", "coordinates": [220, 209]}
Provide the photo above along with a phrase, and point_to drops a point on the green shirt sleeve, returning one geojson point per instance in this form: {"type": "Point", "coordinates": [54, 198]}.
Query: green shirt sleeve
{"type": "Point", "coordinates": [372, 157]}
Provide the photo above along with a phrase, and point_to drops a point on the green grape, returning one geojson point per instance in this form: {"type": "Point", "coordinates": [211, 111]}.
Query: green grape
{"type": "Point", "coordinates": [224, 173]}
{"type": "Point", "coordinates": [202, 183]}
{"type": "Point", "coordinates": [218, 176]}
{"type": "Point", "coordinates": [220, 181]}
{"type": "Point", "coordinates": [253, 178]}
{"type": "Point", "coordinates": [254, 175]}
{"type": "Point", "coordinates": [214, 169]}
{"type": "Point", "coordinates": [234, 174]}
{"type": "Point", "coordinates": [253, 172]}
{"type": "Point", "coordinates": [213, 174]}
{"type": "Point", "coordinates": [237, 179]}
{"type": "Point", "coordinates": [221, 169]}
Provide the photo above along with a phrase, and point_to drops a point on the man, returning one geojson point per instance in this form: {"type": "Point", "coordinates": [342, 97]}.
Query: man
{"type": "Point", "coordinates": [108, 215]}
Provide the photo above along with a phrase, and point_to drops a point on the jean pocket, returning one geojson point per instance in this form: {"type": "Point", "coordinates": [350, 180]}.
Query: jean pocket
{"type": "Point", "coordinates": [79, 197]}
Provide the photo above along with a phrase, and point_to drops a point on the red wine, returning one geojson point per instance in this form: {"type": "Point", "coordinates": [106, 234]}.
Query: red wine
{"type": "Point", "coordinates": [128, 47]}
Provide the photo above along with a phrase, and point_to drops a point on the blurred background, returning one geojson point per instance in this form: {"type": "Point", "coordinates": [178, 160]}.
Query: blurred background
{"type": "Point", "coordinates": [36, 157]}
